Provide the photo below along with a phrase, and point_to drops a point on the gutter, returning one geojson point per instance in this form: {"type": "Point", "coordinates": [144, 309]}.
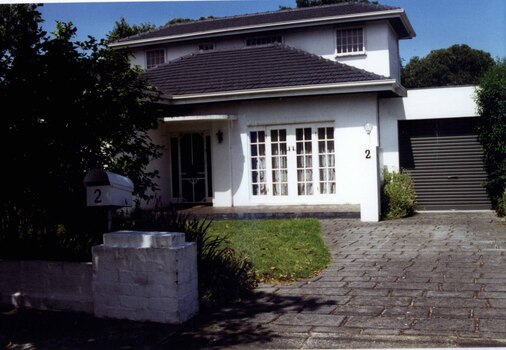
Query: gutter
{"type": "Point", "coordinates": [304, 90]}
{"type": "Point", "coordinates": [400, 13]}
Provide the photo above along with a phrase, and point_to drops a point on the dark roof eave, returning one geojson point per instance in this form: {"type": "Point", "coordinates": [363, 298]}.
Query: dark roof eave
{"type": "Point", "coordinates": [383, 85]}
{"type": "Point", "coordinates": [387, 14]}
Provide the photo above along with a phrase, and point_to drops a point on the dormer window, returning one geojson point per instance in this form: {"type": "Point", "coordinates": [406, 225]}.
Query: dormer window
{"type": "Point", "coordinates": [264, 40]}
{"type": "Point", "coordinates": [206, 46]}
{"type": "Point", "coordinates": [350, 41]}
{"type": "Point", "coordinates": [155, 58]}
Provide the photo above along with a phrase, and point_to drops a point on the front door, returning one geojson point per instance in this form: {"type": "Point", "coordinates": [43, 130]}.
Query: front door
{"type": "Point", "coordinates": [192, 168]}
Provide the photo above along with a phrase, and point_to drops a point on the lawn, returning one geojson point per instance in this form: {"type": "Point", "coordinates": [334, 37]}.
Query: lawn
{"type": "Point", "coordinates": [280, 250]}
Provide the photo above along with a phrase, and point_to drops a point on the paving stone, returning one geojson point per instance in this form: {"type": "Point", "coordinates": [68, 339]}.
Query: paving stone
{"type": "Point", "coordinates": [396, 323]}
{"type": "Point", "coordinates": [384, 301]}
{"type": "Point", "coordinates": [445, 294]}
{"type": "Point", "coordinates": [369, 292]}
{"type": "Point", "coordinates": [493, 326]}
{"type": "Point", "coordinates": [351, 310]}
{"type": "Point", "coordinates": [448, 312]}
{"type": "Point", "coordinates": [492, 295]}
{"type": "Point", "coordinates": [407, 293]}
{"type": "Point", "coordinates": [407, 312]}
{"type": "Point", "coordinates": [490, 313]}
{"type": "Point", "coordinates": [450, 302]}
{"type": "Point", "coordinates": [309, 319]}
{"type": "Point", "coordinates": [442, 326]}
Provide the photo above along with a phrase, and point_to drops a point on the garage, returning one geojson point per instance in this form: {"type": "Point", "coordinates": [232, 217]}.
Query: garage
{"type": "Point", "coordinates": [445, 160]}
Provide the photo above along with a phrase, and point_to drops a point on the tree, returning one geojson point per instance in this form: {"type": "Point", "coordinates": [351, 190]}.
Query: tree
{"type": "Point", "coordinates": [71, 106]}
{"type": "Point", "coordinates": [491, 100]}
{"type": "Point", "coordinates": [456, 65]}
{"type": "Point", "coordinates": [311, 3]}
{"type": "Point", "coordinates": [122, 29]}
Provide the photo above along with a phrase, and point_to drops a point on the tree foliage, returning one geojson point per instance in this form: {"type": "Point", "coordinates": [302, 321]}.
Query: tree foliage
{"type": "Point", "coordinates": [311, 3]}
{"type": "Point", "coordinates": [122, 29]}
{"type": "Point", "coordinates": [456, 65]}
{"type": "Point", "coordinates": [68, 106]}
{"type": "Point", "coordinates": [491, 100]}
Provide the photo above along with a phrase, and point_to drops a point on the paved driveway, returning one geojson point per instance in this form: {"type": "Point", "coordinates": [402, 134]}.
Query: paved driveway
{"type": "Point", "coordinates": [431, 280]}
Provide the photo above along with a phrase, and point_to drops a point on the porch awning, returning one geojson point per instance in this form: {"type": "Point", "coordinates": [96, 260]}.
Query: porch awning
{"type": "Point", "coordinates": [187, 118]}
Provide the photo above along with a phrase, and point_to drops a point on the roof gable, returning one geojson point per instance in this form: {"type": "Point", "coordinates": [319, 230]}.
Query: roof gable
{"type": "Point", "coordinates": [258, 67]}
{"type": "Point", "coordinates": [269, 20]}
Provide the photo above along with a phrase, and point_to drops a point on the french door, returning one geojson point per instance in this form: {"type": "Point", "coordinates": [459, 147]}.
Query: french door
{"type": "Point", "coordinates": [292, 163]}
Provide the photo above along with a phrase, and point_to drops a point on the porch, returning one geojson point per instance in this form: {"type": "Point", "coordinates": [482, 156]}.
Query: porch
{"type": "Point", "coordinates": [274, 212]}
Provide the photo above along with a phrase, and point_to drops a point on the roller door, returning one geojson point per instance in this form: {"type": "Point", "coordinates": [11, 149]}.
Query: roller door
{"type": "Point", "coordinates": [445, 160]}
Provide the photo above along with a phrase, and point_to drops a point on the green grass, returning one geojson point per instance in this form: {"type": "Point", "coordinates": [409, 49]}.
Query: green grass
{"type": "Point", "coordinates": [280, 250]}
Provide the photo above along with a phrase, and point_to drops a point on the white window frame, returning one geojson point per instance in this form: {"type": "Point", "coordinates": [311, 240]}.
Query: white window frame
{"type": "Point", "coordinates": [293, 197]}
{"type": "Point", "coordinates": [351, 53]}
{"type": "Point", "coordinates": [155, 65]}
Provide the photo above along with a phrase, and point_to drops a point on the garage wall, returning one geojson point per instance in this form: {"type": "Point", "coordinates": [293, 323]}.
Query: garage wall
{"type": "Point", "coordinates": [430, 103]}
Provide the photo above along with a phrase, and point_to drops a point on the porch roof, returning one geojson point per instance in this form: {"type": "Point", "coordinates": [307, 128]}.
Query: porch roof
{"type": "Point", "coordinates": [257, 69]}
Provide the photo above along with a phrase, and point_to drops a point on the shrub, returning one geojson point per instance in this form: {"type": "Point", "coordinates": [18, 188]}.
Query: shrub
{"type": "Point", "coordinates": [501, 205]}
{"type": "Point", "coordinates": [490, 98]}
{"type": "Point", "coordinates": [398, 195]}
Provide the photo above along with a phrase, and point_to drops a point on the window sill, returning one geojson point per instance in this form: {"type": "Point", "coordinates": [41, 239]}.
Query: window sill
{"type": "Point", "coordinates": [353, 54]}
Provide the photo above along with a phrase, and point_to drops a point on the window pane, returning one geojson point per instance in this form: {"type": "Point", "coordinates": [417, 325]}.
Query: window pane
{"type": "Point", "coordinates": [274, 135]}
{"type": "Point", "coordinates": [261, 136]}
{"type": "Point", "coordinates": [282, 135]}
{"type": "Point", "coordinates": [261, 150]}
{"type": "Point", "coordinates": [308, 147]}
{"type": "Point", "coordinates": [321, 146]}
{"type": "Point", "coordinates": [253, 137]}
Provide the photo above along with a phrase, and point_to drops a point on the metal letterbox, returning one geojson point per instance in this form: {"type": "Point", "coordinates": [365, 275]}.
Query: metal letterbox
{"type": "Point", "coordinates": [107, 189]}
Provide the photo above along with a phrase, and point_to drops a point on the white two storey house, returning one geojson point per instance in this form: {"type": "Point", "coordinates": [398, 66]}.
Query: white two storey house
{"type": "Point", "coordinates": [280, 108]}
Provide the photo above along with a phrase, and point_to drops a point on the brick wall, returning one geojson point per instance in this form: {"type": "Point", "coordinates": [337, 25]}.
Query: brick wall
{"type": "Point", "coordinates": [47, 285]}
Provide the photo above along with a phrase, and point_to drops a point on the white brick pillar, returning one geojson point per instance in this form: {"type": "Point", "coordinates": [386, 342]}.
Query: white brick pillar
{"type": "Point", "coordinates": [370, 201]}
{"type": "Point", "coordinates": [145, 276]}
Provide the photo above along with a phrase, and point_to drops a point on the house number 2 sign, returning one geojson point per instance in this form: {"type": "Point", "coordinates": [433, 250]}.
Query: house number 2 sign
{"type": "Point", "coordinates": [367, 154]}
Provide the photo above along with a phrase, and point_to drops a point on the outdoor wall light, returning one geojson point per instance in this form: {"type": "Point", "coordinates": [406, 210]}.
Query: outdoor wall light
{"type": "Point", "coordinates": [368, 128]}
{"type": "Point", "coordinates": [219, 136]}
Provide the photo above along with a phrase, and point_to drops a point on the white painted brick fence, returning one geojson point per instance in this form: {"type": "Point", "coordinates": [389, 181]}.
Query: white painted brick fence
{"type": "Point", "coordinates": [143, 276]}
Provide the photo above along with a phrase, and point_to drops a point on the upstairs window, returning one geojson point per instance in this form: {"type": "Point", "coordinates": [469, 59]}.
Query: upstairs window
{"type": "Point", "coordinates": [264, 40]}
{"type": "Point", "coordinates": [350, 41]}
{"type": "Point", "coordinates": [155, 58]}
{"type": "Point", "coordinates": [206, 46]}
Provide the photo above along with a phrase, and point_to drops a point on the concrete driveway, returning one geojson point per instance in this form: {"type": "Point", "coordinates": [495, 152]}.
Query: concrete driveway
{"type": "Point", "coordinates": [433, 280]}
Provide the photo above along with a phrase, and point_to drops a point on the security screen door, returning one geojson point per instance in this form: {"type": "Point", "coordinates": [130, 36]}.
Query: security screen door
{"type": "Point", "coordinates": [193, 167]}
{"type": "Point", "coordinates": [293, 162]}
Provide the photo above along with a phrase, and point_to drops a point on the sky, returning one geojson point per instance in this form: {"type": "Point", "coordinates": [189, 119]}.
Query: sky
{"type": "Point", "coordinates": [480, 24]}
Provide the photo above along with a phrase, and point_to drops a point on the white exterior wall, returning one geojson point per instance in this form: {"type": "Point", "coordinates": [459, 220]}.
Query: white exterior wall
{"type": "Point", "coordinates": [321, 41]}
{"type": "Point", "coordinates": [138, 58]}
{"type": "Point", "coordinates": [432, 103]}
{"type": "Point", "coordinates": [377, 57]}
{"type": "Point", "coordinates": [394, 55]}
{"type": "Point", "coordinates": [381, 57]}
{"type": "Point", "coordinates": [230, 160]}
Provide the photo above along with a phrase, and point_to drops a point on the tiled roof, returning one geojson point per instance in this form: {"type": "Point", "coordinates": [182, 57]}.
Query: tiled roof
{"type": "Point", "coordinates": [259, 19]}
{"type": "Point", "coordinates": [257, 67]}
